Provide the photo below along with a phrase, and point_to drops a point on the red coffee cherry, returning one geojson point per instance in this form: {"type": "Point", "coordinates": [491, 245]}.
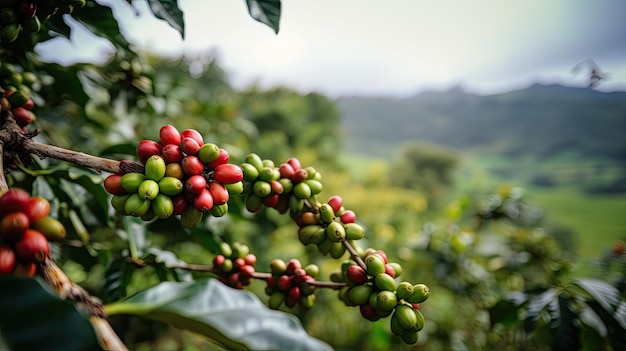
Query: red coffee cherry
{"type": "Point", "coordinates": [335, 203]}
{"type": "Point", "coordinates": [192, 165]}
{"type": "Point", "coordinates": [147, 148]}
{"type": "Point", "coordinates": [22, 116]}
{"type": "Point", "coordinates": [7, 260]}
{"type": "Point", "coordinates": [113, 184]}
{"type": "Point", "coordinates": [203, 202]}
{"type": "Point", "coordinates": [14, 200]}
{"type": "Point", "coordinates": [13, 226]}
{"type": "Point", "coordinates": [286, 170]}
{"type": "Point", "coordinates": [295, 163]}
{"type": "Point", "coordinates": [172, 153]}
{"type": "Point", "coordinates": [348, 216]}
{"type": "Point", "coordinates": [228, 173]}
{"type": "Point", "coordinates": [223, 158]}
{"type": "Point", "coordinates": [356, 274]}
{"type": "Point", "coordinates": [218, 193]}
{"type": "Point", "coordinates": [38, 208]}
{"type": "Point", "coordinates": [194, 134]}
{"type": "Point", "coordinates": [189, 146]}
{"type": "Point", "coordinates": [32, 247]}
{"type": "Point", "coordinates": [169, 135]}
{"type": "Point", "coordinates": [195, 184]}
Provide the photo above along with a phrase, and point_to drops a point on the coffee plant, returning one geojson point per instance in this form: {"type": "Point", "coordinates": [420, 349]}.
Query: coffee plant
{"type": "Point", "coordinates": [180, 176]}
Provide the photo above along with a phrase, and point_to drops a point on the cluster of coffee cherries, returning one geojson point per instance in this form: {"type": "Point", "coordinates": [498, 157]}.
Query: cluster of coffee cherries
{"type": "Point", "coordinates": [285, 188]}
{"type": "Point", "coordinates": [17, 87]}
{"type": "Point", "coordinates": [25, 230]}
{"type": "Point", "coordinates": [27, 15]}
{"type": "Point", "coordinates": [290, 283]}
{"type": "Point", "coordinates": [374, 289]}
{"type": "Point", "coordinates": [234, 265]}
{"type": "Point", "coordinates": [182, 176]}
{"type": "Point", "coordinates": [328, 225]}
{"type": "Point", "coordinates": [16, 16]}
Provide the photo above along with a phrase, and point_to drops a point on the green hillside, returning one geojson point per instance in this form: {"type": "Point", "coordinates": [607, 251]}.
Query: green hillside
{"type": "Point", "coordinates": [566, 146]}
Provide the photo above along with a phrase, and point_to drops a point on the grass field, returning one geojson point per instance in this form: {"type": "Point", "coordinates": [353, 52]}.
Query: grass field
{"type": "Point", "coordinates": [597, 221]}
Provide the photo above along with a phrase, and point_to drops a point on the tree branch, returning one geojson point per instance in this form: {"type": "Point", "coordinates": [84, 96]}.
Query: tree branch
{"type": "Point", "coordinates": [67, 289]}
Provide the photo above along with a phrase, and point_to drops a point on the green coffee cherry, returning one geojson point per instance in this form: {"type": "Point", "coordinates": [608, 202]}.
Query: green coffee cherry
{"type": "Point", "coordinates": [404, 290]}
{"type": "Point", "coordinates": [219, 210]}
{"type": "Point", "coordinates": [384, 281]}
{"type": "Point", "coordinates": [278, 266]}
{"type": "Point", "coordinates": [148, 189]}
{"type": "Point", "coordinates": [337, 250]}
{"type": "Point", "coordinates": [419, 324]}
{"type": "Point", "coordinates": [326, 213]}
{"type": "Point", "coordinates": [315, 185]}
{"type": "Point", "coordinates": [262, 188]}
{"type": "Point", "coordinates": [375, 265]}
{"type": "Point", "coordinates": [354, 231]}
{"type": "Point", "coordinates": [253, 202]}
{"type": "Point", "coordinates": [130, 181]}
{"type": "Point", "coordinates": [421, 292]}
{"type": "Point", "coordinates": [234, 188]}
{"type": "Point", "coordinates": [190, 218]}
{"type": "Point", "coordinates": [155, 168]}
{"type": "Point", "coordinates": [360, 294]}
{"type": "Point", "coordinates": [307, 301]}
{"type": "Point", "coordinates": [386, 300]}
{"type": "Point", "coordinates": [254, 160]}
{"type": "Point", "coordinates": [170, 186]}
{"type": "Point", "coordinates": [250, 172]}
{"type": "Point", "coordinates": [136, 206]}
{"type": "Point", "coordinates": [302, 191]}
{"type": "Point", "coordinates": [208, 152]}
{"type": "Point", "coordinates": [118, 201]}
{"type": "Point", "coordinates": [162, 206]}
{"type": "Point", "coordinates": [276, 299]}
{"type": "Point", "coordinates": [396, 329]}
{"type": "Point", "coordinates": [309, 234]}
{"type": "Point", "coordinates": [312, 269]}
{"type": "Point", "coordinates": [406, 316]}
{"type": "Point", "coordinates": [409, 337]}
{"type": "Point", "coordinates": [397, 268]}
{"type": "Point", "coordinates": [335, 232]}
{"type": "Point", "coordinates": [325, 246]}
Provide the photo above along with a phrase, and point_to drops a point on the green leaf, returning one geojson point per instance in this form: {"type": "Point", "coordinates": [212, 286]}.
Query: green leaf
{"type": "Point", "coordinates": [538, 305]}
{"type": "Point", "coordinates": [265, 11]}
{"type": "Point", "coordinates": [236, 319]}
{"type": "Point", "coordinates": [168, 11]}
{"type": "Point", "coordinates": [34, 319]}
{"type": "Point", "coordinates": [566, 333]}
{"type": "Point", "coordinates": [606, 302]}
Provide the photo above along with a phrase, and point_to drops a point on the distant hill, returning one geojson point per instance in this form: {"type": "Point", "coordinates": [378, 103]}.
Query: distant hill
{"type": "Point", "coordinates": [540, 122]}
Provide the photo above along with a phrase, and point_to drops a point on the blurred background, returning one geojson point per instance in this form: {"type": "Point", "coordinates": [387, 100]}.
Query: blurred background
{"type": "Point", "coordinates": [482, 144]}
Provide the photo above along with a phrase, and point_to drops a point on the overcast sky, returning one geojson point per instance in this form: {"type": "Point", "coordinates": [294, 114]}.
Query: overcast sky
{"type": "Point", "coordinates": [392, 47]}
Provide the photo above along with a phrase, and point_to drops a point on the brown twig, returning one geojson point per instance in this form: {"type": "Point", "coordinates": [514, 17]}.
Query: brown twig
{"type": "Point", "coordinates": [211, 269]}
{"type": "Point", "coordinates": [67, 289]}
{"type": "Point", "coordinates": [79, 158]}
{"type": "Point", "coordinates": [357, 258]}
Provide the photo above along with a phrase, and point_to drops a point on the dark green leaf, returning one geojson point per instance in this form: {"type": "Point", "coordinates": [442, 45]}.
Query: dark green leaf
{"type": "Point", "coordinates": [607, 303]}
{"type": "Point", "coordinates": [34, 319]}
{"type": "Point", "coordinates": [504, 312]}
{"type": "Point", "coordinates": [100, 21]}
{"type": "Point", "coordinates": [265, 11]}
{"type": "Point", "coordinates": [117, 276]}
{"type": "Point", "coordinates": [56, 24]}
{"type": "Point", "coordinates": [168, 11]}
{"type": "Point", "coordinates": [567, 333]}
{"type": "Point", "coordinates": [537, 306]}
{"type": "Point", "coordinates": [235, 319]}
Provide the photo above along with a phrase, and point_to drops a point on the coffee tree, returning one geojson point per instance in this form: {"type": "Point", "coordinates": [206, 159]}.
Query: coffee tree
{"type": "Point", "coordinates": [176, 181]}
